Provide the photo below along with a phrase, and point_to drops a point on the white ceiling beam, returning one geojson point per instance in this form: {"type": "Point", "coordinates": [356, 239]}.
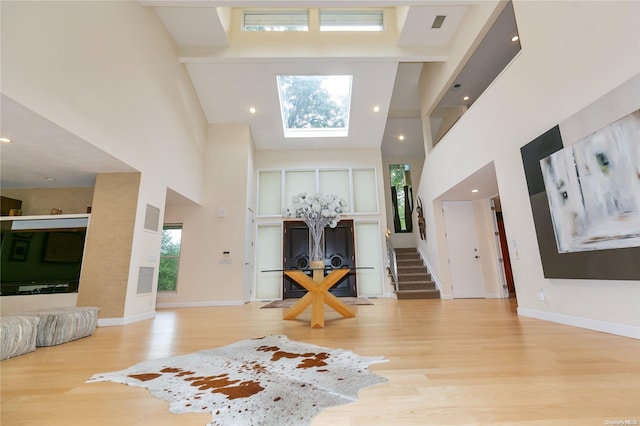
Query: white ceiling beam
{"type": "Point", "coordinates": [306, 54]}
{"type": "Point", "coordinates": [307, 3]}
{"type": "Point", "coordinates": [194, 26]}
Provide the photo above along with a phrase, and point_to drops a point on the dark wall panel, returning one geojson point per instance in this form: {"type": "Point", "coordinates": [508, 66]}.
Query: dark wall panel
{"type": "Point", "coordinates": [617, 264]}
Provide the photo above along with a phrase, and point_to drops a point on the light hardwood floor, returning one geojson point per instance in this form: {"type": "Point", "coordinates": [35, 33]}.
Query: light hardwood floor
{"type": "Point", "coordinates": [451, 362]}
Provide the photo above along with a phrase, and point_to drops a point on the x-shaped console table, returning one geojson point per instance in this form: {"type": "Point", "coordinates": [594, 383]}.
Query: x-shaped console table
{"type": "Point", "coordinates": [318, 294]}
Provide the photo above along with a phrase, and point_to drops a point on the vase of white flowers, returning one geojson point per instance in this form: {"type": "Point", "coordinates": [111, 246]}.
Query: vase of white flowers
{"type": "Point", "coordinates": [317, 211]}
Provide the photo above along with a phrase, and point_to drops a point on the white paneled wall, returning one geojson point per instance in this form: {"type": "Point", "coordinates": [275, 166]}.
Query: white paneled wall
{"type": "Point", "coordinates": [369, 251]}
{"type": "Point", "coordinates": [335, 182]}
{"type": "Point", "coordinates": [357, 185]}
{"type": "Point", "coordinates": [269, 193]}
{"type": "Point", "coordinates": [365, 197]}
{"type": "Point", "coordinates": [297, 181]}
{"type": "Point", "coordinates": [268, 284]}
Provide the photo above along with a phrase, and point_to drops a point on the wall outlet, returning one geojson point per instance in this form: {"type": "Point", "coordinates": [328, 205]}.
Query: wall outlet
{"type": "Point", "coordinates": [541, 295]}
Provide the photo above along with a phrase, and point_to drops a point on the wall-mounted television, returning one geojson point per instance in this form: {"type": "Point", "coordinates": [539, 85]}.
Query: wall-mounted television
{"type": "Point", "coordinates": [41, 256]}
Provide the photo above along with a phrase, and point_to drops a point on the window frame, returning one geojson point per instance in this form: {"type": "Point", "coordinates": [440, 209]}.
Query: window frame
{"type": "Point", "coordinates": [165, 227]}
{"type": "Point", "coordinates": [402, 218]}
{"type": "Point", "coordinates": [275, 20]}
{"type": "Point", "coordinates": [351, 20]}
{"type": "Point", "coordinates": [316, 132]}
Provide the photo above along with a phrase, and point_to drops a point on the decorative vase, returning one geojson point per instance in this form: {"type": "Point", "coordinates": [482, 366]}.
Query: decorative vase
{"type": "Point", "coordinates": [316, 257]}
{"type": "Point", "coordinates": [316, 236]}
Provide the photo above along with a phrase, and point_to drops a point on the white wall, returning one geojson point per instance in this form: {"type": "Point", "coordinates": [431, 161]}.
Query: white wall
{"type": "Point", "coordinates": [309, 159]}
{"type": "Point", "coordinates": [107, 72]}
{"type": "Point", "coordinates": [583, 51]}
{"type": "Point", "coordinates": [217, 226]}
{"type": "Point", "coordinates": [438, 75]}
{"type": "Point", "coordinates": [145, 252]}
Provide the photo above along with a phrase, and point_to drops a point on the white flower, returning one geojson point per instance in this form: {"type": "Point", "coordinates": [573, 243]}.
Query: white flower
{"type": "Point", "coordinates": [318, 210]}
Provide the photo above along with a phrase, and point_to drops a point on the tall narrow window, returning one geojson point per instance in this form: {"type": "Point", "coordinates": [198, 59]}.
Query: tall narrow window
{"type": "Point", "coordinates": [401, 197]}
{"type": "Point", "coordinates": [169, 257]}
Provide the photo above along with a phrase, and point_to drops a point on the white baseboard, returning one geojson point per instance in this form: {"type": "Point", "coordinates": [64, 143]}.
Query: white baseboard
{"type": "Point", "coordinates": [110, 322]}
{"type": "Point", "coordinates": [492, 296]}
{"type": "Point", "coordinates": [200, 304]}
{"type": "Point", "coordinates": [591, 324]}
{"type": "Point", "coordinates": [433, 275]}
{"type": "Point", "coordinates": [446, 296]}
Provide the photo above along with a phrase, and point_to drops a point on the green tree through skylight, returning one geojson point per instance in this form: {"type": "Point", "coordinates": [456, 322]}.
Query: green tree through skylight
{"type": "Point", "coordinates": [315, 102]}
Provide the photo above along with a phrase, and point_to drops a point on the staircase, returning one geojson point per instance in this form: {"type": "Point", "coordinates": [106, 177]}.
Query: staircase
{"type": "Point", "coordinates": [414, 281]}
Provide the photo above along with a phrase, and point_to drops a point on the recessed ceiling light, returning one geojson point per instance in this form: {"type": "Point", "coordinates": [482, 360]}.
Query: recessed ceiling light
{"type": "Point", "coordinates": [401, 137]}
{"type": "Point", "coordinates": [515, 38]}
{"type": "Point", "coordinates": [5, 140]}
{"type": "Point", "coordinates": [376, 108]}
{"type": "Point", "coordinates": [252, 110]}
{"type": "Point", "coordinates": [466, 98]}
{"type": "Point", "coordinates": [474, 190]}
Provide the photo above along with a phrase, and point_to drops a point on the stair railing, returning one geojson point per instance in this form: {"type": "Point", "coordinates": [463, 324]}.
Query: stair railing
{"type": "Point", "coordinates": [392, 264]}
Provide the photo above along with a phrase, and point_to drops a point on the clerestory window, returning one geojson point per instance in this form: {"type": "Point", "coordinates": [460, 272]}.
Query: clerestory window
{"type": "Point", "coordinates": [281, 20]}
{"type": "Point", "coordinates": [371, 20]}
{"type": "Point", "coordinates": [351, 20]}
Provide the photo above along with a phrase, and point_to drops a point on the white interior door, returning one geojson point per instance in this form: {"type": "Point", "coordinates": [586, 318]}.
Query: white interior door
{"type": "Point", "coordinates": [462, 247]}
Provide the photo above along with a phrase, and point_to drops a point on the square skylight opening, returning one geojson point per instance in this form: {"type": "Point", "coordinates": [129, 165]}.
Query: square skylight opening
{"type": "Point", "coordinates": [315, 105]}
{"type": "Point", "coordinates": [281, 20]}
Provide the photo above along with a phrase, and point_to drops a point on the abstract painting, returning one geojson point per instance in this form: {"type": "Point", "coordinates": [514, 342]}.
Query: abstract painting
{"type": "Point", "coordinates": [593, 189]}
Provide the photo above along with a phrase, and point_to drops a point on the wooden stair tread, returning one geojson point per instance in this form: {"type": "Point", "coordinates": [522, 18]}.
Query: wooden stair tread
{"type": "Point", "coordinates": [414, 279]}
{"type": "Point", "coordinates": [418, 294]}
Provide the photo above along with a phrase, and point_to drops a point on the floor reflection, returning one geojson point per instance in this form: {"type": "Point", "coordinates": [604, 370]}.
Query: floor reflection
{"type": "Point", "coordinates": [163, 335]}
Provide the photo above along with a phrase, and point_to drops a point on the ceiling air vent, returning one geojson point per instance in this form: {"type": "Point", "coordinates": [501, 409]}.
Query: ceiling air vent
{"type": "Point", "coordinates": [438, 21]}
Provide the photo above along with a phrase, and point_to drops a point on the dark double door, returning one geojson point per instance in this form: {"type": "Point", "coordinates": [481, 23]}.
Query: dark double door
{"type": "Point", "coordinates": [338, 251]}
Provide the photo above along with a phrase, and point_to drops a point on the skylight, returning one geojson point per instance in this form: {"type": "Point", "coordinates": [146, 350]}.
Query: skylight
{"type": "Point", "coordinates": [315, 105]}
{"type": "Point", "coordinates": [351, 20]}
{"type": "Point", "coordinates": [284, 20]}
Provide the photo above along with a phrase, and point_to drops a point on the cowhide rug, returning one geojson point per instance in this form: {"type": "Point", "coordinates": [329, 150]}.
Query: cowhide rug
{"type": "Point", "coordinates": [265, 381]}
